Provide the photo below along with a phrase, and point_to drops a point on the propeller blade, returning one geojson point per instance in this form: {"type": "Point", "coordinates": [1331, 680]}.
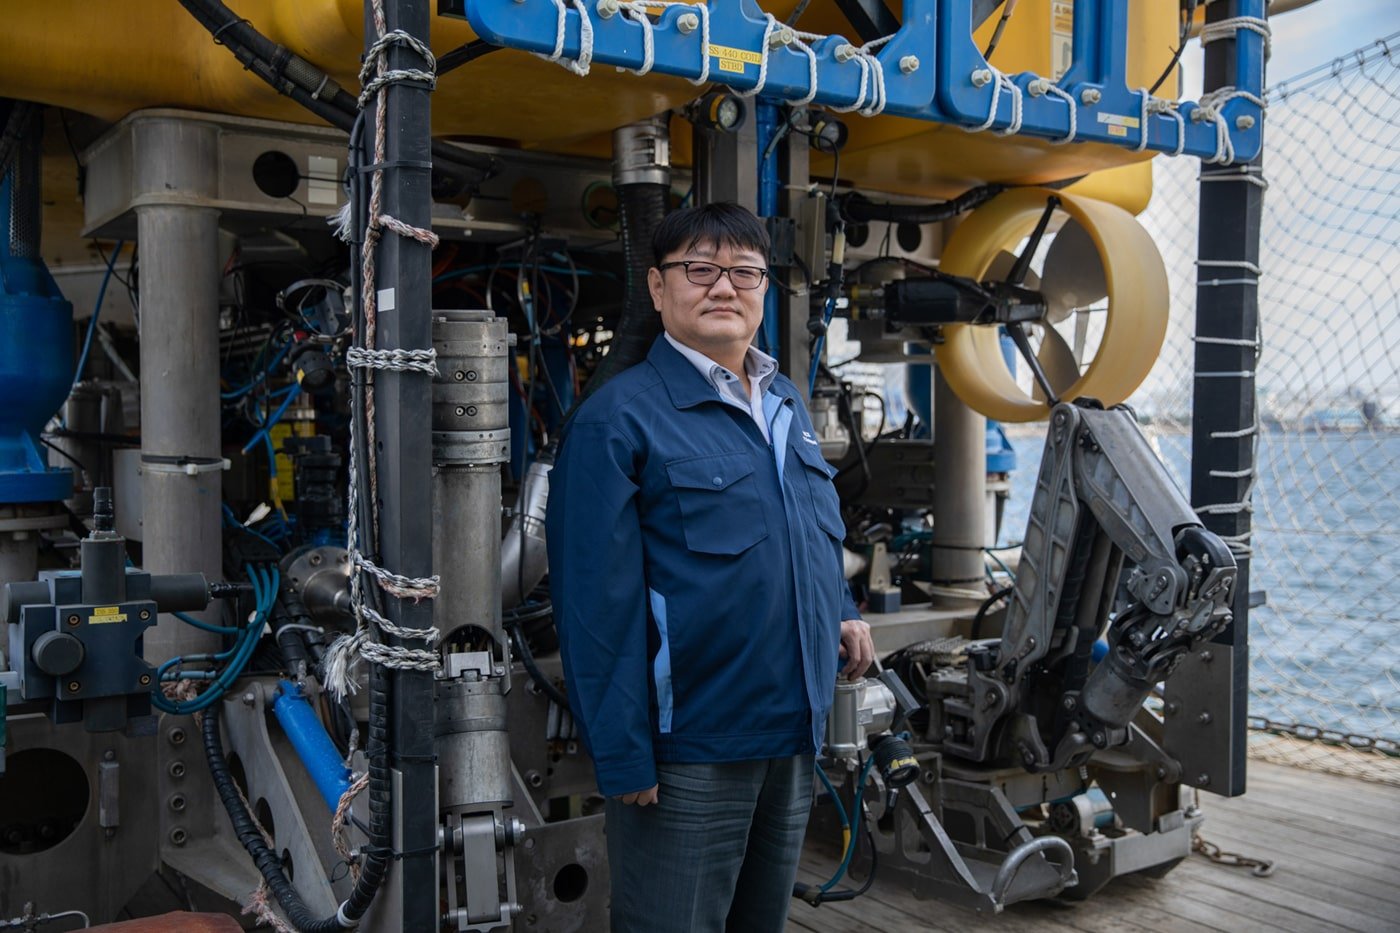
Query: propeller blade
{"type": "Point", "coordinates": [1073, 276]}
{"type": "Point", "coordinates": [1057, 361]}
{"type": "Point", "coordinates": [1001, 268]}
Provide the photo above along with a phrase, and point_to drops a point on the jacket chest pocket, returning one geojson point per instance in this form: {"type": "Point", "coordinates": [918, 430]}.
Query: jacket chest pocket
{"type": "Point", "coordinates": [825, 502]}
{"type": "Point", "coordinates": [721, 509]}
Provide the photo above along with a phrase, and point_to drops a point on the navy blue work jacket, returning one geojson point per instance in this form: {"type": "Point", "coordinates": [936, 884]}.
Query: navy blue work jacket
{"type": "Point", "coordinates": [696, 574]}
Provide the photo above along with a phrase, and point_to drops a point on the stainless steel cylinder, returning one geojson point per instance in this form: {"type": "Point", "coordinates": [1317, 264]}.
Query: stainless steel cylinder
{"type": "Point", "coordinates": [472, 745]}
{"type": "Point", "coordinates": [860, 708]}
{"type": "Point", "coordinates": [180, 405]}
{"type": "Point", "coordinates": [471, 438]}
{"type": "Point", "coordinates": [471, 390]}
{"type": "Point", "coordinates": [642, 152]}
{"type": "Point", "coordinates": [960, 488]}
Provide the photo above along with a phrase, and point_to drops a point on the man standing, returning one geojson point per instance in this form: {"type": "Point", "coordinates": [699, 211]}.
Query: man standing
{"type": "Point", "coordinates": [695, 564]}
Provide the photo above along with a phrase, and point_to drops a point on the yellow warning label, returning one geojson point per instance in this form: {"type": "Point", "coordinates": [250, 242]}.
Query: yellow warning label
{"type": "Point", "coordinates": [1119, 120]}
{"type": "Point", "coordinates": [726, 54]}
{"type": "Point", "coordinates": [1117, 130]}
{"type": "Point", "coordinates": [104, 614]}
{"type": "Point", "coordinates": [728, 64]}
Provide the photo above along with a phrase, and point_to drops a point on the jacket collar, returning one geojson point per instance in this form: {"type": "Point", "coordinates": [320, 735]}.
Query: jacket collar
{"type": "Point", "coordinates": [684, 383]}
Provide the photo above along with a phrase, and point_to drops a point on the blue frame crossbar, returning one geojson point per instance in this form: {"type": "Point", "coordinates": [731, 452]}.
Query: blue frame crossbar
{"type": "Point", "coordinates": [930, 69]}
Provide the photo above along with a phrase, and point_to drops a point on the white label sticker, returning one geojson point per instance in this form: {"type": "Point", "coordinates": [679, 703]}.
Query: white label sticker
{"type": "Point", "coordinates": [386, 299]}
{"type": "Point", "coordinates": [322, 180]}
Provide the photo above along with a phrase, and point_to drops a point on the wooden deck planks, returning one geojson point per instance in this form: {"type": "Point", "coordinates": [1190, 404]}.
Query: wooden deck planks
{"type": "Point", "coordinates": [1336, 841]}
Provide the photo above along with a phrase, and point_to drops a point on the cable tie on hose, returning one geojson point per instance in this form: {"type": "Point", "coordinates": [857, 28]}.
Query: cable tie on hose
{"type": "Point", "coordinates": [227, 26]}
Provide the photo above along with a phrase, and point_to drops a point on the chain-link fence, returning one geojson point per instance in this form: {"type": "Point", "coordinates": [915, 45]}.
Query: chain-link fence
{"type": "Point", "coordinates": [1325, 646]}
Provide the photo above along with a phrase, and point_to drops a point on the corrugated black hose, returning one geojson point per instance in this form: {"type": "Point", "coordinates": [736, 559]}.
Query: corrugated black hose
{"type": "Point", "coordinates": [291, 75]}
{"type": "Point", "coordinates": [642, 207]}
{"type": "Point", "coordinates": [376, 853]}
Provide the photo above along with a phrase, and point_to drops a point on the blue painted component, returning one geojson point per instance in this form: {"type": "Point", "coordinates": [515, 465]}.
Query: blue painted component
{"type": "Point", "coordinates": [1099, 651]}
{"type": "Point", "coordinates": [1001, 455]}
{"type": "Point", "coordinates": [315, 749]}
{"type": "Point", "coordinates": [767, 115]}
{"type": "Point", "coordinates": [941, 89]}
{"type": "Point", "coordinates": [36, 368]}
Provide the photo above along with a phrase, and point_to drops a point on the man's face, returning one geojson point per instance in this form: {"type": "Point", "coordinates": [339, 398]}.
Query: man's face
{"type": "Point", "coordinates": [716, 316]}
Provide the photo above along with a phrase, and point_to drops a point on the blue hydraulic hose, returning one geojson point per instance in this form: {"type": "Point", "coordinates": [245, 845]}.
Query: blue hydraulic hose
{"type": "Point", "coordinates": [272, 422]}
{"type": "Point", "coordinates": [97, 311]}
{"type": "Point", "coordinates": [855, 810]}
{"type": "Point", "coordinates": [827, 314]}
{"type": "Point", "coordinates": [260, 377]}
{"type": "Point", "coordinates": [265, 595]}
{"type": "Point", "coordinates": [313, 746]}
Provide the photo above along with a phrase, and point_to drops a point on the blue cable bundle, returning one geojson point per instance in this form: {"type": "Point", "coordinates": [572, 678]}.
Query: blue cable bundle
{"type": "Point", "coordinates": [265, 584]}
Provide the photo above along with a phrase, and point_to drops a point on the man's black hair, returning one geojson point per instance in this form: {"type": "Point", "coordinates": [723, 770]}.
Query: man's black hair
{"type": "Point", "coordinates": [723, 223]}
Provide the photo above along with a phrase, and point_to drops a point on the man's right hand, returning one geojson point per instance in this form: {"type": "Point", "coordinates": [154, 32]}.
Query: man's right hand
{"type": "Point", "coordinates": [641, 797]}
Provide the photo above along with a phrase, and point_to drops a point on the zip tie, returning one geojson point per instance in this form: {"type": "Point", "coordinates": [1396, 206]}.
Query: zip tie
{"type": "Point", "coordinates": [1212, 283]}
{"type": "Point", "coordinates": [1229, 474]}
{"type": "Point", "coordinates": [1231, 264]}
{"type": "Point", "coordinates": [1242, 432]}
{"type": "Point", "coordinates": [1250, 174]}
{"type": "Point", "coordinates": [1228, 341]}
{"type": "Point", "coordinates": [1242, 374]}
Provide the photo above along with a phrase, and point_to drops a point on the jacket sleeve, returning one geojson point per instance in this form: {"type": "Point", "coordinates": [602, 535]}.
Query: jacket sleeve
{"type": "Point", "coordinates": [597, 584]}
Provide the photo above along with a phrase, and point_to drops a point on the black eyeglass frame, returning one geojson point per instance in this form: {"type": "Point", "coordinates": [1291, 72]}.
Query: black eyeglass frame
{"type": "Point", "coordinates": [723, 270]}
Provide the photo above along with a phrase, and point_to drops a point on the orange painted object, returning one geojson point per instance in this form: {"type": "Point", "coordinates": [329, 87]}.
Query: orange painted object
{"type": "Point", "coordinates": [174, 922]}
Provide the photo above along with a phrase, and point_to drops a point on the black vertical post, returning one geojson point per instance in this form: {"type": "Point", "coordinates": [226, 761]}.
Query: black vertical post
{"type": "Point", "coordinates": [1224, 419]}
{"type": "Point", "coordinates": [403, 404]}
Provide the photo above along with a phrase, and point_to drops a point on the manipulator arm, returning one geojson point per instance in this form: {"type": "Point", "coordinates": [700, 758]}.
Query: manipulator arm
{"type": "Point", "coordinates": [1102, 496]}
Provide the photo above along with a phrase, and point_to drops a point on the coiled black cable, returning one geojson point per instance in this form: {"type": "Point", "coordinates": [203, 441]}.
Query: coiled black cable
{"type": "Point", "coordinates": [247, 832]}
{"type": "Point", "coordinates": [513, 623]}
{"type": "Point", "coordinates": [376, 860]}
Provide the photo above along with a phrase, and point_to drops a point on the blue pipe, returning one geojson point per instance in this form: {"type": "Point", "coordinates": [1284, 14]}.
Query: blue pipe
{"type": "Point", "coordinates": [315, 749]}
{"type": "Point", "coordinates": [768, 186]}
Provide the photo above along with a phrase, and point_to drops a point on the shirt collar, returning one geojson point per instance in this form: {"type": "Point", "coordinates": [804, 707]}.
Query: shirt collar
{"type": "Point", "coordinates": [758, 366]}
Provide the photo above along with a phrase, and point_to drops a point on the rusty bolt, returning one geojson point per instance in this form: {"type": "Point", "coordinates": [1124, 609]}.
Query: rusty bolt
{"type": "Point", "coordinates": [74, 686]}
{"type": "Point", "coordinates": [73, 619]}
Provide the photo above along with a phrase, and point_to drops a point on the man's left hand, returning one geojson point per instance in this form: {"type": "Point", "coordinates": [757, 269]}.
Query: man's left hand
{"type": "Point", "coordinates": [857, 647]}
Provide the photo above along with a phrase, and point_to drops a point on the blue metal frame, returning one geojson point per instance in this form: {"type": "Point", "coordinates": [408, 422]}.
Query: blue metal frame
{"type": "Point", "coordinates": [941, 89]}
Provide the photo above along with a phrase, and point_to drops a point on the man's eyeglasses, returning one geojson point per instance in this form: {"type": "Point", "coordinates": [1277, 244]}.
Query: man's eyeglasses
{"type": "Point", "coordinates": [707, 273]}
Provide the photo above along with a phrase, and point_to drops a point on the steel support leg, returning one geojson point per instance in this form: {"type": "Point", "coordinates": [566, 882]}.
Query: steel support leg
{"type": "Point", "coordinates": [180, 396]}
{"type": "Point", "coordinates": [960, 488]}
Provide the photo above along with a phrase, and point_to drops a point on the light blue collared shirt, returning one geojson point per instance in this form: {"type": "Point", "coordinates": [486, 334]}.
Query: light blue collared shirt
{"type": "Point", "coordinates": [760, 368]}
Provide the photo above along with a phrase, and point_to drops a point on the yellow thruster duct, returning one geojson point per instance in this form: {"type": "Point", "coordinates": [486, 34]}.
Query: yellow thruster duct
{"type": "Point", "coordinates": [971, 357]}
